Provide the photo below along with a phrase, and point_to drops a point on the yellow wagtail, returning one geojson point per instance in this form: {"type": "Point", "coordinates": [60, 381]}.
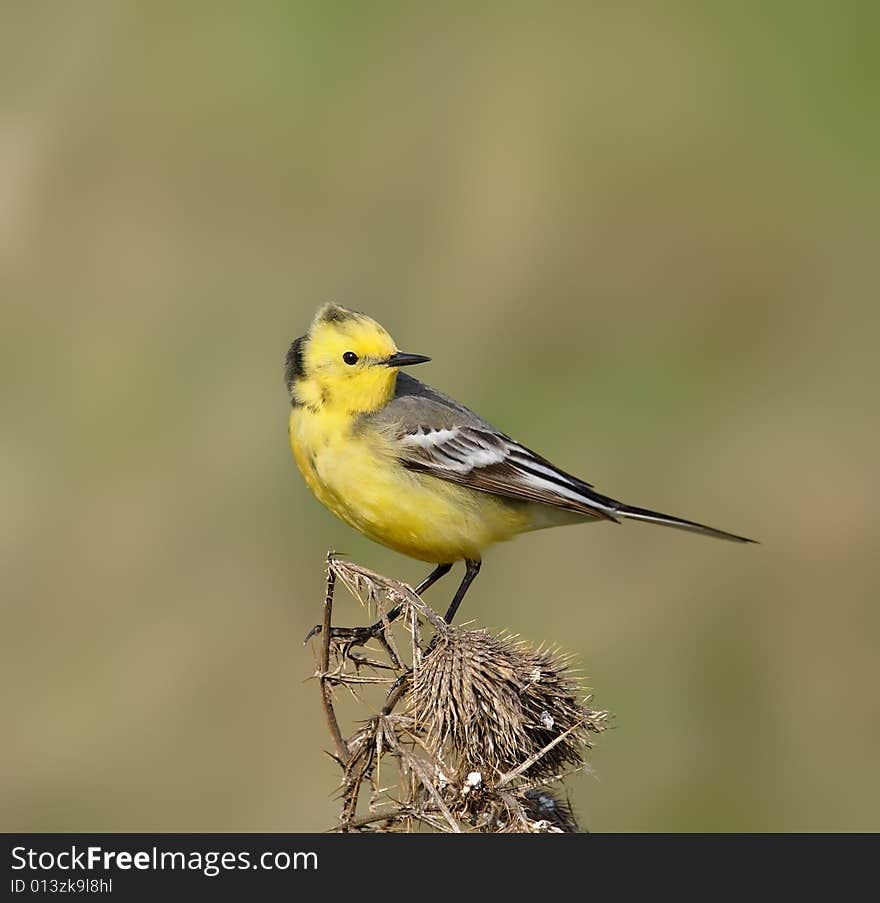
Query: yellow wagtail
{"type": "Point", "coordinates": [413, 469]}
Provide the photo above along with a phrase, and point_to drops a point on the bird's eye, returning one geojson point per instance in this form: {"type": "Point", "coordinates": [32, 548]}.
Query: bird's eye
{"type": "Point", "coordinates": [350, 357]}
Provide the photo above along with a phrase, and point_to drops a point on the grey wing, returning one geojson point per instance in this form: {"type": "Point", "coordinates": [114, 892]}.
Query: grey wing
{"type": "Point", "coordinates": [437, 435]}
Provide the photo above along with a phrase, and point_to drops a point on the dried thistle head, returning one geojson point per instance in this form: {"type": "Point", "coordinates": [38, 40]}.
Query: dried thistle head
{"type": "Point", "coordinates": [491, 704]}
{"type": "Point", "coordinates": [483, 725]}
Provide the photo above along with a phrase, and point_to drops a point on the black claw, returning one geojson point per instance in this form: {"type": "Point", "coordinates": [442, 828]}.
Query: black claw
{"type": "Point", "coordinates": [313, 632]}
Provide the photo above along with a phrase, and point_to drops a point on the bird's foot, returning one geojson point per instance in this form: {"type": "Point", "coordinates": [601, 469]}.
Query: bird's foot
{"type": "Point", "coordinates": [356, 636]}
{"type": "Point", "coordinates": [347, 638]}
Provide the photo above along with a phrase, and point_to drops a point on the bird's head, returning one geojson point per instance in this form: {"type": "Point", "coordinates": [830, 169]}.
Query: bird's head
{"type": "Point", "coordinates": [346, 361]}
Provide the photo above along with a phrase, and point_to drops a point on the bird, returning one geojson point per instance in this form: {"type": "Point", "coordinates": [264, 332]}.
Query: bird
{"type": "Point", "coordinates": [415, 470]}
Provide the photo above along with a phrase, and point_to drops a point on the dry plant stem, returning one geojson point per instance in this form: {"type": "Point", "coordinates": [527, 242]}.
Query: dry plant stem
{"type": "Point", "coordinates": [525, 766]}
{"type": "Point", "coordinates": [467, 728]}
{"type": "Point", "coordinates": [514, 808]}
{"type": "Point", "coordinates": [384, 815]}
{"type": "Point", "coordinates": [333, 725]}
{"type": "Point", "coordinates": [418, 766]}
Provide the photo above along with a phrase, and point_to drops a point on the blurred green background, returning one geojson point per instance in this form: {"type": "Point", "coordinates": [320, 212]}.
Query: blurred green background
{"type": "Point", "coordinates": [640, 238]}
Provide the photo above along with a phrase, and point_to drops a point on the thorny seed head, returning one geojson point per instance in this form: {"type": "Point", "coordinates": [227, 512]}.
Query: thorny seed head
{"type": "Point", "coordinates": [490, 723]}
{"type": "Point", "coordinates": [488, 703]}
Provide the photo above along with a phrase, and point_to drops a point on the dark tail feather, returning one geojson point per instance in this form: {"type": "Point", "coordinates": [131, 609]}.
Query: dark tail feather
{"type": "Point", "coordinates": [655, 517]}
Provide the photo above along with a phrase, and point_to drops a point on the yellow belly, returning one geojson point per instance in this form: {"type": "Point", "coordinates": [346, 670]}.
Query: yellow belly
{"type": "Point", "coordinates": [357, 477]}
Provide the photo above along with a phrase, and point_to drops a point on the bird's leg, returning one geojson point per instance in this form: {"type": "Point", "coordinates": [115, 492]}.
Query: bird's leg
{"type": "Point", "coordinates": [357, 636]}
{"type": "Point", "coordinates": [440, 571]}
{"type": "Point", "coordinates": [473, 568]}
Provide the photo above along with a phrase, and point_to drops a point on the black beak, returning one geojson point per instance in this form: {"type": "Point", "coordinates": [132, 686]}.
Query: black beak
{"type": "Point", "coordinates": [402, 359]}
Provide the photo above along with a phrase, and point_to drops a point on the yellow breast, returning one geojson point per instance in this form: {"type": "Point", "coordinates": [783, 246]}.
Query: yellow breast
{"type": "Point", "coordinates": [355, 473]}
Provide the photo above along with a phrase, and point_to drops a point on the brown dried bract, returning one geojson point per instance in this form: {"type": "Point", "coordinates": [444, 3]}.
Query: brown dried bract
{"type": "Point", "coordinates": [469, 737]}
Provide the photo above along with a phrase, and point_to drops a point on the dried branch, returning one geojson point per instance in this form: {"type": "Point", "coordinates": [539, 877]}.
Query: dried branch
{"type": "Point", "coordinates": [475, 728]}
